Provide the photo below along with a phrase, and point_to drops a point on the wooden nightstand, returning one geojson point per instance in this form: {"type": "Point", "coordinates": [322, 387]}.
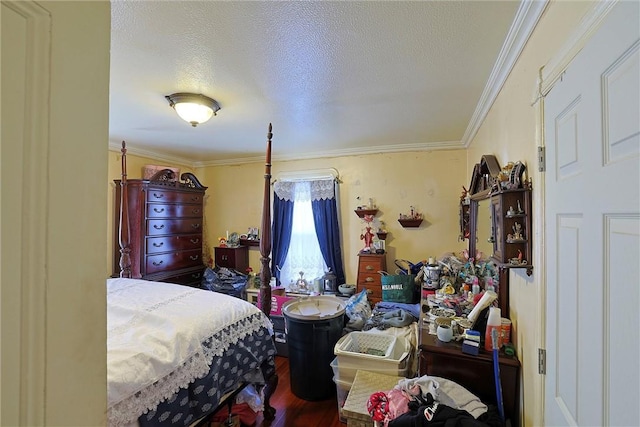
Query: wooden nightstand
{"type": "Point", "coordinates": [368, 277]}
{"type": "Point", "coordinates": [235, 258]}
{"type": "Point", "coordinates": [475, 373]}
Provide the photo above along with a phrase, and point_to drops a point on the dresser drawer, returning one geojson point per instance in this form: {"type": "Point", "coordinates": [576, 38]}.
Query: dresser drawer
{"type": "Point", "coordinates": [191, 279]}
{"type": "Point", "coordinates": [172, 196]}
{"type": "Point", "coordinates": [161, 227]}
{"type": "Point", "coordinates": [369, 279]}
{"type": "Point", "coordinates": [173, 261]}
{"type": "Point", "coordinates": [371, 265]}
{"type": "Point", "coordinates": [167, 210]}
{"type": "Point", "coordinates": [374, 292]}
{"type": "Point", "coordinates": [180, 242]}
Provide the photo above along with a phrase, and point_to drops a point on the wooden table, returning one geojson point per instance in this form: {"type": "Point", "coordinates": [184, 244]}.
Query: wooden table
{"type": "Point", "coordinates": [475, 373]}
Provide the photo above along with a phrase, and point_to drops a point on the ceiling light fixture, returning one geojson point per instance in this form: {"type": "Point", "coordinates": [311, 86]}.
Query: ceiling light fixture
{"type": "Point", "coordinates": [193, 108]}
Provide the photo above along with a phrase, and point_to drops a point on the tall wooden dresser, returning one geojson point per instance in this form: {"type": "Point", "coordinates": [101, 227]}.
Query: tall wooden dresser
{"type": "Point", "coordinates": [166, 229]}
{"type": "Point", "coordinates": [368, 277]}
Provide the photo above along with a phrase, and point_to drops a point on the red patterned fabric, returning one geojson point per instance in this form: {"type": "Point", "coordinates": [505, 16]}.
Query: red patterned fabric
{"type": "Point", "coordinates": [377, 406]}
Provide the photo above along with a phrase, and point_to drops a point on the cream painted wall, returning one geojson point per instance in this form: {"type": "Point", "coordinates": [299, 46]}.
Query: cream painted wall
{"type": "Point", "coordinates": [429, 181]}
{"type": "Point", "coordinates": [511, 133]}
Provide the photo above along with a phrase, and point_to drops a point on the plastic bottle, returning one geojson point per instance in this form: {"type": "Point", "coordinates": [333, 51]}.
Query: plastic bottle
{"type": "Point", "coordinates": [494, 321]}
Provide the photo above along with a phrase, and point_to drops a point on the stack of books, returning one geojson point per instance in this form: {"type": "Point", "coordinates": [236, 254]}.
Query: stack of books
{"type": "Point", "coordinates": [471, 342]}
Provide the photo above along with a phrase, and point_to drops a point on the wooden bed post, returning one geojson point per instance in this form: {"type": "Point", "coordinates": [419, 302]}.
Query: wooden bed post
{"type": "Point", "coordinates": [123, 240]}
{"type": "Point", "coordinates": [265, 241]}
{"type": "Point", "coordinates": [265, 271]}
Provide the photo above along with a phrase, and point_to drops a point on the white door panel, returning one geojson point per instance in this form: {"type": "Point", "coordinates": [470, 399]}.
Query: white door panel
{"type": "Point", "coordinates": [592, 204]}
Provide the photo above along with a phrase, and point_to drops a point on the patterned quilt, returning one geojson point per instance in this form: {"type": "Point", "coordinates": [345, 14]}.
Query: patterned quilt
{"type": "Point", "coordinates": [172, 351]}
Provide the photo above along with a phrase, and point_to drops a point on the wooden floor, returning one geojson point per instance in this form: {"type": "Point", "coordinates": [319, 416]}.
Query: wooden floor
{"type": "Point", "coordinates": [292, 411]}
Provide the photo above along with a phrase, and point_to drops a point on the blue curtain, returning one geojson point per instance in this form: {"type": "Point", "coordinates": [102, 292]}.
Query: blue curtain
{"type": "Point", "coordinates": [281, 233]}
{"type": "Point", "coordinates": [325, 217]}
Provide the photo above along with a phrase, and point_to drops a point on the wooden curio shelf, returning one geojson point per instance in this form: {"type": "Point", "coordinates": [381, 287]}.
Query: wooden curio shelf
{"type": "Point", "coordinates": [249, 242]}
{"type": "Point", "coordinates": [362, 212]}
{"type": "Point", "coordinates": [410, 223]}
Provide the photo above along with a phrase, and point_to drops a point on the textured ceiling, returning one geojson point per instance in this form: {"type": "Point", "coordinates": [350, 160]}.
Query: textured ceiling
{"type": "Point", "coordinates": [334, 77]}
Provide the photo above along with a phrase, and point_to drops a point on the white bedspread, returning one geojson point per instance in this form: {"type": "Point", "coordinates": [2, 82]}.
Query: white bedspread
{"type": "Point", "coordinates": [154, 329]}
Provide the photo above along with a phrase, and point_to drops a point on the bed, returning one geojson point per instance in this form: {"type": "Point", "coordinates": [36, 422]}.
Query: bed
{"type": "Point", "coordinates": [176, 354]}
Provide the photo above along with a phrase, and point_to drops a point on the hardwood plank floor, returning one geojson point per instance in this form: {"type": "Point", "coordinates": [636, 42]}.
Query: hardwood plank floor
{"type": "Point", "coordinates": [292, 411]}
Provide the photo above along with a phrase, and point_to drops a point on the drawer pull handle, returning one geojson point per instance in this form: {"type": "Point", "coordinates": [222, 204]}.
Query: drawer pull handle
{"type": "Point", "coordinates": [158, 195]}
{"type": "Point", "coordinates": [196, 275]}
{"type": "Point", "coordinates": [369, 268]}
{"type": "Point", "coordinates": [196, 211]}
{"type": "Point", "coordinates": [157, 245]}
{"type": "Point", "coordinates": [195, 225]}
{"type": "Point", "coordinates": [156, 263]}
{"type": "Point", "coordinates": [158, 210]}
{"type": "Point", "coordinates": [369, 279]}
{"type": "Point", "coordinates": [193, 257]}
{"type": "Point", "coordinates": [158, 227]}
{"type": "Point", "coordinates": [194, 241]}
{"type": "Point", "coordinates": [369, 291]}
{"type": "Point", "coordinates": [195, 198]}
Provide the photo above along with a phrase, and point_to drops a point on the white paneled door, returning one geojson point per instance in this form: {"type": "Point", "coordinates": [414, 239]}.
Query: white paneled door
{"type": "Point", "coordinates": [592, 133]}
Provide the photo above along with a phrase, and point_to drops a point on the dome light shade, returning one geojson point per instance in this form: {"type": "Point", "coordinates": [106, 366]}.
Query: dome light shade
{"type": "Point", "coordinates": [193, 108]}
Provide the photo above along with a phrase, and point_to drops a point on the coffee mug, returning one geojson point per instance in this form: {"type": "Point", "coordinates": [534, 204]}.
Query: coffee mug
{"type": "Point", "coordinates": [444, 333]}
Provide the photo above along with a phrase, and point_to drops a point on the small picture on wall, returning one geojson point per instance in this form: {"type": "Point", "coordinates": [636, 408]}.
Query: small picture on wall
{"type": "Point", "coordinates": [252, 234]}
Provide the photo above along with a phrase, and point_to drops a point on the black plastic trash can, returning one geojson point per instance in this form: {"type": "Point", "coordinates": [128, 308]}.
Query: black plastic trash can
{"type": "Point", "coordinates": [314, 326]}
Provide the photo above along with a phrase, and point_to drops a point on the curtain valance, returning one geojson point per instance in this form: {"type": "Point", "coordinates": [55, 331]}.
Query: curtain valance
{"type": "Point", "coordinates": [304, 191]}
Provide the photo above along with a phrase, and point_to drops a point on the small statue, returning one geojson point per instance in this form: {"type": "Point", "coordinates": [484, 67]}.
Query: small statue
{"type": "Point", "coordinates": [368, 240]}
{"type": "Point", "coordinates": [517, 232]}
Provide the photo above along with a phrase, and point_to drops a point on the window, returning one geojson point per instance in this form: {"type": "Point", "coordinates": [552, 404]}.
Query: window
{"type": "Point", "coordinates": [305, 230]}
{"type": "Point", "coordinates": [304, 253]}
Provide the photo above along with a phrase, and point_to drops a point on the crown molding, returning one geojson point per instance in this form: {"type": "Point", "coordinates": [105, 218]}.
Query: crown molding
{"type": "Point", "coordinates": [399, 148]}
{"type": "Point", "coordinates": [155, 155]}
{"type": "Point", "coordinates": [524, 23]}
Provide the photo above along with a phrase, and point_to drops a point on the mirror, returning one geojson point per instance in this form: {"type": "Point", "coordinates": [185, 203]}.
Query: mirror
{"type": "Point", "coordinates": [484, 229]}
{"type": "Point", "coordinates": [480, 229]}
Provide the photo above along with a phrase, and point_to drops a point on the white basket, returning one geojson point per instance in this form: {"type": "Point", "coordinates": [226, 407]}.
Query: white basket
{"type": "Point", "coordinates": [366, 345]}
{"type": "Point", "coordinates": [346, 372]}
{"type": "Point", "coordinates": [353, 351]}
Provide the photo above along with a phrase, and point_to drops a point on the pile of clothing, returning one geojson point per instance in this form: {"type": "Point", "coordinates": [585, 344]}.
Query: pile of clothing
{"type": "Point", "coordinates": [384, 315]}
{"type": "Point", "coordinates": [431, 401]}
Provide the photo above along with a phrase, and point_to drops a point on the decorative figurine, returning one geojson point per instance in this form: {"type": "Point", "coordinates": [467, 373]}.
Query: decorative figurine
{"type": "Point", "coordinates": [368, 240]}
{"type": "Point", "coordinates": [517, 231]}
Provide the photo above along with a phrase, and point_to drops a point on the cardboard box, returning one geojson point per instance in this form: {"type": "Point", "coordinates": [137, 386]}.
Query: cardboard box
{"type": "Point", "coordinates": [276, 304]}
